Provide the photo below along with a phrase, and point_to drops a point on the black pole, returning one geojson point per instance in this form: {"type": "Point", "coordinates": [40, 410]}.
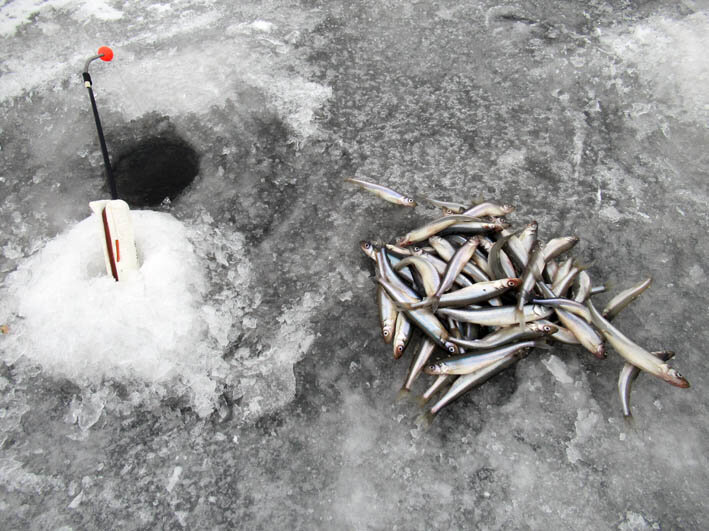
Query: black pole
{"type": "Point", "coordinates": [99, 129]}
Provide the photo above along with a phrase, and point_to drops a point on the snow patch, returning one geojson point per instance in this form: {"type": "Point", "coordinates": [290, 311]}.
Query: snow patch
{"type": "Point", "coordinates": [671, 56]}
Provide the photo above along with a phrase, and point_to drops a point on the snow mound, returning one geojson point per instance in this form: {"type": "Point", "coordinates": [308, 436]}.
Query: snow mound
{"type": "Point", "coordinates": [76, 322]}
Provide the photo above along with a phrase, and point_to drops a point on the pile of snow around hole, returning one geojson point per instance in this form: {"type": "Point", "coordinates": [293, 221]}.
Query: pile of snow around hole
{"type": "Point", "coordinates": [73, 320]}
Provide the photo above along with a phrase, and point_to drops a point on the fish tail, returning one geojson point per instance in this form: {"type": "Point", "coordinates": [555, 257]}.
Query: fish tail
{"type": "Point", "coordinates": [422, 400]}
{"type": "Point", "coordinates": [403, 394]}
{"type": "Point", "coordinates": [425, 420]}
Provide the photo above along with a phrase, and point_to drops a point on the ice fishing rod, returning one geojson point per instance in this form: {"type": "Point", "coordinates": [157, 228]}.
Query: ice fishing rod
{"type": "Point", "coordinates": [115, 224]}
{"type": "Point", "coordinates": [105, 54]}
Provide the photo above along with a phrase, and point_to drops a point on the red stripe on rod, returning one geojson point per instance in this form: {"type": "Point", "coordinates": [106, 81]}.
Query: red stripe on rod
{"type": "Point", "coordinates": [109, 247]}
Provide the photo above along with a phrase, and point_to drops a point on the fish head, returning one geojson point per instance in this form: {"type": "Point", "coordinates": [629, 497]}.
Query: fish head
{"type": "Point", "coordinates": [434, 368]}
{"type": "Point", "coordinates": [409, 202]}
{"type": "Point", "coordinates": [386, 332]}
{"type": "Point", "coordinates": [451, 348]}
{"type": "Point", "coordinates": [545, 329]}
{"type": "Point", "coordinates": [367, 248]}
{"type": "Point", "coordinates": [673, 377]}
{"type": "Point", "coordinates": [600, 352]}
{"type": "Point", "coordinates": [506, 209]}
{"type": "Point", "coordinates": [416, 250]}
{"type": "Point", "coordinates": [399, 350]}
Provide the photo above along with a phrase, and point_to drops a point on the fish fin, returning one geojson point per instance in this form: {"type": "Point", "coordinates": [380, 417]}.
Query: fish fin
{"type": "Point", "coordinates": [424, 420]}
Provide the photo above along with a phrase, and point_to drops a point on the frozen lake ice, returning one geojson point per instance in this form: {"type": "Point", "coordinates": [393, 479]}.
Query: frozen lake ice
{"type": "Point", "coordinates": [245, 383]}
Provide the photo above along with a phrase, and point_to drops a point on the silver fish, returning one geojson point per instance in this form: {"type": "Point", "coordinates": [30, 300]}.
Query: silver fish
{"type": "Point", "coordinates": [385, 193]}
{"type": "Point", "coordinates": [634, 353]}
{"type": "Point", "coordinates": [387, 314]}
{"type": "Point", "coordinates": [418, 361]}
{"type": "Point", "coordinates": [430, 229]}
{"type": "Point", "coordinates": [584, 332]}
{"type": "Point", "coordinates": [497, 316]}
{"type": "Point", "coordinates": [467, 363]}
{"type": "Point", "coordinates": [489, 209]}
{"type": "Point", "coordinates": [509, 334]}
{"type": "Point", "coordinates": [464, 383]}
{"type": "Point", "coordinates": [627, 376]}
{"type": "Point", "coordinates": [625, 297]}
{"type": "Point", "coordinates": [402, 335]}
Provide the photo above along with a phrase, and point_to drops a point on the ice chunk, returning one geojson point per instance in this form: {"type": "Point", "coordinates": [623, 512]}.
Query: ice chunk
{"type": "Point", "coordinates": [76, 501]}
{"type": "Point", "coordinates": [558, 369]}
{"type": "Point", "coordinates": [174, 478]}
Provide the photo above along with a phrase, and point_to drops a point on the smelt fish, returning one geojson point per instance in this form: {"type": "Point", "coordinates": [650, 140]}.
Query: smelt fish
{"type": "Point", "coordinates": [625, 297]}
{"type": "Point", "coordinates": [627, 376]}
{"type": "Point", "coordinates": [497, 316]}
{"type": "Point", "coordinates": [382, 191]}
{"type": "Point", "coordinates": [634, 353]}
{"type": "Point", "coordinates": [467, 363]}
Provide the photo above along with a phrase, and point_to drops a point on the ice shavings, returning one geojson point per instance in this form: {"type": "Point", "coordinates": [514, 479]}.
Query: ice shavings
{"type": "Point", "coordinates": [72, 319]}
{"type": "Point", "coordinates": [271, 383]}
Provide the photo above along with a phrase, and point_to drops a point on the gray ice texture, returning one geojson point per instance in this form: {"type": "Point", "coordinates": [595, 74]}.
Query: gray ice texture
{"type": "Point", "coordinates": [263, 396]}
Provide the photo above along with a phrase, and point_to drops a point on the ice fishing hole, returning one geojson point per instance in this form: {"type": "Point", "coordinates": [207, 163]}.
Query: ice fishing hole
{"type": "Point", "coordinates": [155, 168]}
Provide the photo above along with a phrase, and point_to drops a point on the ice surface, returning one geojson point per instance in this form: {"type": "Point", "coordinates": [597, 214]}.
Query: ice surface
{"type": "Point", "coordinates": [283, 413]}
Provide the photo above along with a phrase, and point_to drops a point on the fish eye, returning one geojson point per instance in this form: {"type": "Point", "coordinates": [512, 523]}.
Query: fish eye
{"type": "Point", "coordinates": [409, 200]}
{"type": "Point", "coordinates": [511, 283]}
{"type": "Point", "coordinates": [385, 333]}
{"type": "Point", "coordinates": [547, 328]}
{"type": "Point", "coordinates": [400, 348]}
{"type": "Point", "coordinates": [451, 348]}
{"type": "Point", "coordinates": [677, 374]}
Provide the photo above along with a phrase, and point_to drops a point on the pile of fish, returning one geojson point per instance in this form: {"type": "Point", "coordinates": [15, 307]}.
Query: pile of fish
{"type": "Point", "coordinates": [484, 294]}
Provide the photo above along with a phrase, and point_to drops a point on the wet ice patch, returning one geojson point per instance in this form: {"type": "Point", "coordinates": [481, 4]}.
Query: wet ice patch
{"type": "Point", "coordinates": [671, 56]}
